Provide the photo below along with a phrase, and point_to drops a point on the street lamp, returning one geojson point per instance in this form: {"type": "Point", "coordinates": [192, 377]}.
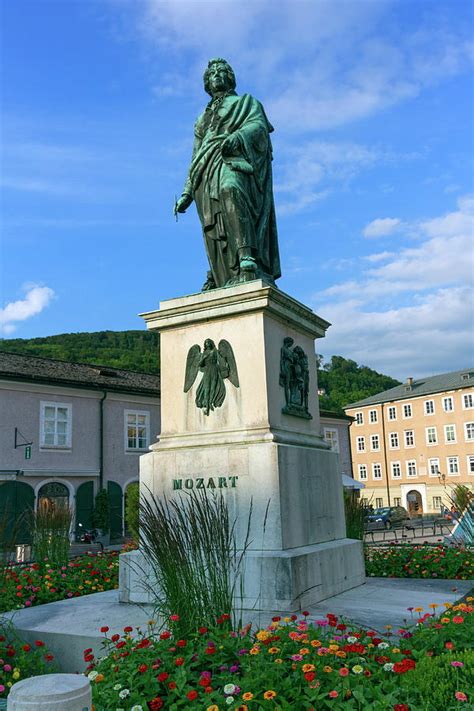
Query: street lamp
{"type": "Point", "coordinates": [441, 477]}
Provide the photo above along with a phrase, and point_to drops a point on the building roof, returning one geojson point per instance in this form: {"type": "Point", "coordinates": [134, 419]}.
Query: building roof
{"type": "Point", "coordinates": [27, 368]}
{"type": "Point", "coordinates": [423, 386]}
{"type": "Point", "coordinates": [333, 415]}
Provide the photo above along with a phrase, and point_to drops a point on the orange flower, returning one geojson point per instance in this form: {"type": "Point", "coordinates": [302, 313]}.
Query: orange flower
{"type": "Point", "coordinates": [304, 650]}
{"type": "Point", "coordinates": [99, 677]}
{"type": "Point", "coordinates": [316, 643]}
{"type": "Point", "coordinates": [327, 669]}
{"type": "Point", "coordinates": [445, 620]}
{"type": "Point", "coordinates": [270, 694]}
{"type": "Point", "coordinates": [308, 667]}
{"type": "Point", "coordinates": [247, 696]}
{"type": "Point", "coordinates": [273, 650]}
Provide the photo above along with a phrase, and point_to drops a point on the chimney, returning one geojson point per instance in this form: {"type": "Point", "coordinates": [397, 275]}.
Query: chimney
{"type": "Point", "coordinates": [410, 382]}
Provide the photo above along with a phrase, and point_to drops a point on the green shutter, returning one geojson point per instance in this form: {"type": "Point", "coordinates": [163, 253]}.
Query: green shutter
{"type": "Point", "coordinates": [115, 509]}
{"type": "Point", "coordinates": [16, 500]}
{"type": "Point", "coordinates": [85, 504]}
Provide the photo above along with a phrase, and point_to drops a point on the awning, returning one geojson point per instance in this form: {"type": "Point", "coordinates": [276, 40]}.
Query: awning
{"type": "Point", "coordinates": [349, 483]}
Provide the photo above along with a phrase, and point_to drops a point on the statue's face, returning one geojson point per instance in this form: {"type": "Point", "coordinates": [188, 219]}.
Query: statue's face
{"type": "Point", "coordinates": [218, 79]}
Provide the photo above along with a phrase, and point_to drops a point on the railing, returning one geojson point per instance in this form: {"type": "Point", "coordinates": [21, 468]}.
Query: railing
{"type": "Point", "coordinates": [416, 528]}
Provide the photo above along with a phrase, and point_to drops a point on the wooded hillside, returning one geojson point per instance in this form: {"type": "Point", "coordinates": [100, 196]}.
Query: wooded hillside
{"type": "Point", "coordinates": [343, 380]}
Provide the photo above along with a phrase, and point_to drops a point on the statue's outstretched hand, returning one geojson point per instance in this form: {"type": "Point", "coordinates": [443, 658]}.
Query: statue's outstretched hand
{"type": "Point", "coordinates": [183, 203]}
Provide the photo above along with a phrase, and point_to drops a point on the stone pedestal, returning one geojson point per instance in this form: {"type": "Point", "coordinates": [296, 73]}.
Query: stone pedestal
{"type": "Point", "coordinates": [51, 692]}
{"type": "Point", "coordinates": [250, 449]}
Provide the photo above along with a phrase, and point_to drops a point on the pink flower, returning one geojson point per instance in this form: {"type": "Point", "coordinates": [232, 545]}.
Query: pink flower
{"type": "Point", "coordinates": [460, 696]}
{"type": "Point", "coordinates": [297, 657]}
{"type": "Point", "coordinates": [7, 668]}
{"type": "Point", "coordinates": [457, 664]}
{"type": "Point", "coordinates": [343, 671]}
{"type": "Point", "coordinates": [333, 694]}
{"type": "Point", "coordinates": [2, 688]}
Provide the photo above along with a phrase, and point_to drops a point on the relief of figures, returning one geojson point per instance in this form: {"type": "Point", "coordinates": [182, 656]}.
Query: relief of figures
{"type": "Point", "coordinates": [294, 378]}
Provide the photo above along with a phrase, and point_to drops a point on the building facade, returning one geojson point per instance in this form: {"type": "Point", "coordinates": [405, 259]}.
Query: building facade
{"type": "Point", "coordinates": [412, 443]}
{"type": "Point", "coordinates": [68, 430]}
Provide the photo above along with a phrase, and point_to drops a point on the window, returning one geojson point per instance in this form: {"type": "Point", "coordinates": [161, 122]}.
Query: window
{"type": "Point", "coordinates": [470, 464]}
{"type": "Point", "coordinates": [449, 434]}
{"type": "Point", "coordinates": [453, 465]}
{"type": "Point", "coordinates": [437, 502]}
{"type": "Point", "coordinates": [429, 407]}
{"type": "Point", "coordinates": [392, 413]}
{"type": "Point", "coordinates": [396, 470]}
{"type": "Point", "coordinates": [374, 443]}
{"type": "Point", "coordinates": [361, 444]}
{"type": "Point", "coordinates": [469, 430]}
{"type": "Point", "coordinates": [137, 429]}
{"type": "Point", "coordinates": [433, 467]}
{"type": "Point", "coordinates": [379, 503]}
{"type": "Point", "coordinates": [407, 411]}
{"type": "Point", "coordinates": [373, 416]}
{"type": "Point", "coordinates": [362, 472]}
{"type": "Point", "coordinates": [431, 435]}
{"type": "Point", "coordinates": [55, 424]}
{"type": "Point", "coordinates": [411, 467]}
{"type": "Point", "coordinates": [377, 471]}
{"type": "Point", "coordinates": [332, 438]}
{"type": "Point", "coordinates": [468, 401]}
{"type": "Point", "coordinates": [394, 444]}
{"type": "Point", "coordinates": [409, 438]}
{"type": "Point", "coordinates": [448, 405]}
{"type": "Point", "coordinates": [397, 501]}
{"type": "Point", "coordinates": [359, 418]}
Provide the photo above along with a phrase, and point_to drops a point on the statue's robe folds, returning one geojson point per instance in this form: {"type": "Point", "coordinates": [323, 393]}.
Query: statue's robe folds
{"type": "Point", "coordinates": [234, 194]}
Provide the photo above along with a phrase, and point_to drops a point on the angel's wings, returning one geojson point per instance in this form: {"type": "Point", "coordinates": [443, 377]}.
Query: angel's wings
{"type": "Point", "coordinates": [227, 355]}
{"type": "Point", "coordinates": [192, 366]}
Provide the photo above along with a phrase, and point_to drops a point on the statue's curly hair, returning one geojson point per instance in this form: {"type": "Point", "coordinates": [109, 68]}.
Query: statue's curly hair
{"type": "Point", "coordinates": [229, 72]}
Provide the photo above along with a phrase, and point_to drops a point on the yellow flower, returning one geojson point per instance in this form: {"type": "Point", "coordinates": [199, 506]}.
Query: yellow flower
{"type": "Point", "coordinates": [255, 650]}
{"type": "Point", "coordinates": [152, 622]}
{"type": "Point", "coordinates": [288, 619]}
{"type": "Point", "coordinates": [433, 605]}
{"type": "Point", "coordinates": [270, 694]}
{"type": "Point", "coordinates": [333, 647]}
{"type": "Point", "coordinates": [448, 604]}
{"type": "Point", "coordinates": [213, 708]}
{"type": "Point", "coordinates": [370, 645]}
{"type": "Point", "coordinates": [247, 696]}
{"type": "Point", "coordinates": [327, 669]}
{"type": "Point", "coordinates": [316, 643]}
{"type": "Point", "coordinates": [308, 668]}
{"type": "Point", "coordinates": [357, 669]}
{"type": "Point", "coordinates": [278, 661]}
{"type": "Point", "coordinates": [262, 635]}
{"type": "Point", "coordinates": [273, 650]}
{"type": "Point", "coordinates": [396, 650]}
{"type": "Point", "coordinates": [16, 675]}
{"type": "Point", "coordinates": [445, 620]}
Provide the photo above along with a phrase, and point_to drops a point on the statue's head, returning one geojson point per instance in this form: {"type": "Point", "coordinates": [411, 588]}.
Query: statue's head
{"type": "Point", "coordinates": [209, 344]}
{"type": "Point", "coordinates": [219, 77]}
{"type": "Point", "coordinates": [288, 341]}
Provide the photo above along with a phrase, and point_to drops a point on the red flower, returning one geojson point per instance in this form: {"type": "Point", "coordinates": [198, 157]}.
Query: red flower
{"type": "Point", "coordinates": [162, 676]}
{"type": "Point", "coordinates": [26, 648]}
{"type": "Point", "coordinates": [128, 629]}
{"type": "Point", "coordinates": [191, 695]}
{"type": "Point", "coordinates": [181, 643]}
{"type": "Point", "coordinates": [87, 651]}
{"type": "Point", "coordinates": [104, 629]}
{"type": "Point", "coordinates": [210, 650]}
{"type": "Point", "coordinates": [172, 685]}
{"type": "Point", "coordinates": [276, 619]}
{"type": "Point", "coordinates": [458, 620]}
{"type": "Point", "coordinates": [142, 668]}
{"type": "Point", "coordinates": [401, 707]}
{"type": "Point", "coordinates": [174, 618]}
{"type": "Point", "coordinates": [39, 643]}
{"type": "Point", "coordinates": [341, 627]}
{"type": "Point", "coordinates": [88, 657]}
{"type": "Point", "coordinates": [115, 637]}
{"type": "Point", "coordinates": [333, 694]}
{"type": "Point", "coordinates": [121, 644]}
{"type": "Point", "coordinates": [305, 613]}
{"type": "Point", "coordinates": [309, 676]}
{"type": "Point", "coordinates": [179, 661]}
{"type": "Point", "coordinates": [208, 690]}
{"type": "Point", "coordinates": [49, 657]}
{"type": "Point", "coordinates": [155, 704]}
{"type": "Point", "coordinates": [165, 635]}
{"type": "Point", "coordinates": [202, 630]}
{"type": "Point", "coordinates": [293, 617]}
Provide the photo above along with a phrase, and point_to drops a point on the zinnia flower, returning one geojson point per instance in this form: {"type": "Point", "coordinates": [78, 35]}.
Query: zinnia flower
{"type": "Point", "coordinates": [460, 696]}
{"type": "Point", "coordinates": [270, 694]}
{"type": "Point", "coordinates": [357, 669]}
{"type": "Point", "coordinates": [246, 697]}
{"type": "Point", "coordinates": [333, 694]}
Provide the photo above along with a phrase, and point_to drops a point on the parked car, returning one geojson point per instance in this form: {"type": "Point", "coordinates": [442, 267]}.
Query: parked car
{"type": "Point", "coordinates": [386, 517]}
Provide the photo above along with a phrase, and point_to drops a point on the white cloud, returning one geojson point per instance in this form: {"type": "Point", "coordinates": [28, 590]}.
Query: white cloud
{"type": "Point", "coordinates": [36, 299]}
{"type": "Point", "coordinates": [381, 227]}
{"type": "Point", "coordinates": [416, 307]}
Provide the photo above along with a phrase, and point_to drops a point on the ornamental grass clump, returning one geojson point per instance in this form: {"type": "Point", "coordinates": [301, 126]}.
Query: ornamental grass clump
{"type": "Point", "coordinates": [50, 526]}
{"type": "Point", "coordinates": [355, 512]}
{"type": "Point", "coordinates": [191, 547]}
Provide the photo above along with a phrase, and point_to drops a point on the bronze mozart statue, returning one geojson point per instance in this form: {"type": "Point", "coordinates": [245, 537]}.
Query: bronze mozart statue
{"type": "Point", "coordinates": [230, 180]}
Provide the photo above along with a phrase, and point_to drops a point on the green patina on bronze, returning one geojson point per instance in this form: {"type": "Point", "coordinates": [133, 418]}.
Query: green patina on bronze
{"type": "Point", "coordinates": [215, 364]}
{"type": "Point", "coordinates": [230, 180]}
{"type": "Point", "coordinates": [219, 482]}
{"type": "Point", "coordinates": [294, 378]}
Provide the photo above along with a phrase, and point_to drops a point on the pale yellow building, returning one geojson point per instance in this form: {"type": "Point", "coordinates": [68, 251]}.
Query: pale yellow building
{"type": "Point", "coordinates": [412, 443]}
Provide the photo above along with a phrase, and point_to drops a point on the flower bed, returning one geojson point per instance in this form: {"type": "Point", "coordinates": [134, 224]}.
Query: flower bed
{"type": "Point", "coordinates": [19, 660]}
{"type": "Point", "coordinates": [423, 561]}
{"type": "Point", "coordinates": [294, 663]}
{"type": "Point", "coordinates": [31, 584]}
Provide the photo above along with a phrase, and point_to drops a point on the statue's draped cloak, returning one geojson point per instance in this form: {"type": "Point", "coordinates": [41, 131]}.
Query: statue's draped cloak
{"type": "Point", "coordinates": [247, 173]}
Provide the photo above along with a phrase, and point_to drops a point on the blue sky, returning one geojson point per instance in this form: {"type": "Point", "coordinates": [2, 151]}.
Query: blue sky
{"type": "Point", "coordinates": [372, 104]}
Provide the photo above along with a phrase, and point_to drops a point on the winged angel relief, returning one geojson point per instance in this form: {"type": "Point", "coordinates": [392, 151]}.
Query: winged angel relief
{"type": "Point", "coordinates": [215, 364]}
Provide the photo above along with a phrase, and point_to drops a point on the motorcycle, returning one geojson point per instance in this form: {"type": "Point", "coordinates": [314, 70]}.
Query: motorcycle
{"type": "Point", "coordinates": [89, 536]}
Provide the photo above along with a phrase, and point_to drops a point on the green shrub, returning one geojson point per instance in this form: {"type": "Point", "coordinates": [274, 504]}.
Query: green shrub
{"type": "Point", "coordinates": [355, 511]}
{"type": "Point", "coordinates": [101, 513]}
{"type": "Point", "coordinates": [132, 509]}
{"type": "Point", "coordinates": [435, 680]}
